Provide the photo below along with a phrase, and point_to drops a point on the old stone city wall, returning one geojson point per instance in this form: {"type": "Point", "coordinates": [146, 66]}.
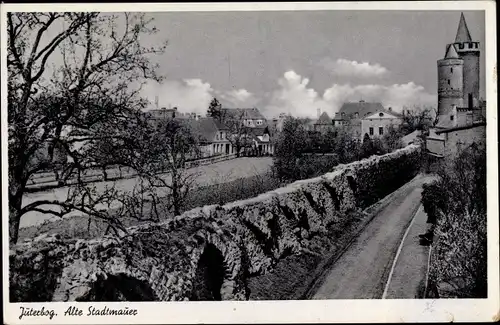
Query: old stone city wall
{"type": "Point", "coordinates": [207, 253]}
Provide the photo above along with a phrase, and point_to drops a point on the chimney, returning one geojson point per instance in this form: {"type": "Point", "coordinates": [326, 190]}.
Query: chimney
{"type": "Point", "coordinates": [157, 102]}
{"type": "Point", "coordinates": [318, 111]}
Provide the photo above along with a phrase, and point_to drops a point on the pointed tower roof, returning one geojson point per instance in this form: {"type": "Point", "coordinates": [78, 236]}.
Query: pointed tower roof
{"type": "Point", "coordinates": [463, 34]}
{"type": "Point", "coordinates": [451, 52]}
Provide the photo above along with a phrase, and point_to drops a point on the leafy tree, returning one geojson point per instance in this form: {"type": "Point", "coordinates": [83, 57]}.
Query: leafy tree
{"type": "Point", "coordinates": [392, 139]}
{"type": "Point", "coordinates": [289, 148]}
{"type": "Point", "coordinates": [367, 148]}
{"type": "Point", "coordinates": [347, 148]}
{"type": "Point", "coordinates": [101, 60]}
{"type": "Point", "coordinates": [457, 203]}
{"type": "Point", "coordinates": [214, 109]}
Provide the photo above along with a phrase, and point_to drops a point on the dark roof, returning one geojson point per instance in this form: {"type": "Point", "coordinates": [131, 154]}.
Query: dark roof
{"type": "Point", "coordinates": [205, 128]}
{"type": "Point", "coordinates": [362, 108]}
{"type": "Point", "coordinates": [250, 113]}
{"type": "Point", "coordinates": [463, 34]}
{"type": "Point", "coordinates": [324, 119]}
{"type": "Point", "coordinates": [258, 131]}
{"type": "Point", "coordinates": [451, 52]}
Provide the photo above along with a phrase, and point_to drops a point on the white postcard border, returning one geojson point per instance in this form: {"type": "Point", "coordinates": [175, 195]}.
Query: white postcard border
{"type": "Point", "coordinates": [311, 311]}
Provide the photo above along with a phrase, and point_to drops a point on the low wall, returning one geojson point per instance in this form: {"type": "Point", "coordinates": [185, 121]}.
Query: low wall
{"type": "Point", "coordinates": [207, 253]}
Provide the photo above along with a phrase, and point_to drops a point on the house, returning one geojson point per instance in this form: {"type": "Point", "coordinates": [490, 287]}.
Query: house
{"type": "Point", "coordinates": [349, 117]}
{"type": "Point", "coordinates": [162, 113]}
{"type": "Point", "coordinates": [377, 124]}
{"type": "Point", "coordinates": [212, 136]}
{"type": "Point", "coordinates": [324, 123]}
{"type": "Point", "coordinates": [217, 137]}
{"type": "Point", "coordinates": [277, 123]}
{"type": "Point", "coordinates": [251, 117]}
{"type": "Point", "coordinates": [262, 143]}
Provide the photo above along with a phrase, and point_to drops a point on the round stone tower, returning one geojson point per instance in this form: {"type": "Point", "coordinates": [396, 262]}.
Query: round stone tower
{"type": "Point", "coordinates": [450, 82]}
{"type": "Point", "coordinates": [469, 51]}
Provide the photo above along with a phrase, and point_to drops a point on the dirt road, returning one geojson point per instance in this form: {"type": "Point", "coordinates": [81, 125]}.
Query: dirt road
{"type": "Point", "coordinates": [363, 270]}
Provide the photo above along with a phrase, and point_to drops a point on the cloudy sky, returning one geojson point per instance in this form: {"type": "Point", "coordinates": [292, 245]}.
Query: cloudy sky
{"type": "Point", "coordinates": [297, 62]}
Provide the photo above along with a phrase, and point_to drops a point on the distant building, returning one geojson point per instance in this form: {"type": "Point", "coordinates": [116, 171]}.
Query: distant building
{"type": "Point", "coordinates": [212, 136]}
{"type": "Point", "coordinates": [378, 123]}
{"type": "Point", "coordinates": [215, 135]}
{"type": "Point", "coordinates": [251, 117]}
{"type": "Point", "coordinates": [162, 113]}
{"type": "Point", "coordinates": [278, 122]}
{"type": "Point", "coordinates": [323, 124]}
{"type": "Point", "coordinates": [349, 117]}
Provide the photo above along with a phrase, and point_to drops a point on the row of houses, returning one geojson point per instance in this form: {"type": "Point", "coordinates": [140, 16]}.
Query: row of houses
{"type": "Point", "coordinates": [358, 119]}
{"type": "Point", "coordinates": [220, 135]}
{"type": "Point", "coordinates": [217, 135]}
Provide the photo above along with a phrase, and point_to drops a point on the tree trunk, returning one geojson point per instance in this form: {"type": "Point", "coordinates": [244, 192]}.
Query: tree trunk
{"type": "Point", "coordinates": [15, 204]}
{"type": "Point", "coordinates": [175, 196]}
{"type": "Point", "coordinates": [104, 173]}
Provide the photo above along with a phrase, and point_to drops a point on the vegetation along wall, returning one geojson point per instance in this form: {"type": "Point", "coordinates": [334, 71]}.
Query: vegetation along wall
{"type": "Point", "coordinates": [207, 253]}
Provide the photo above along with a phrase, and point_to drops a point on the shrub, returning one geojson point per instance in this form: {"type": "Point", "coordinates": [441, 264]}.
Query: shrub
{"type": "Point", "coordinates": [458, 263]}
{"type": "Point", "coordinates": [389, 172]}
{"type": "Point", "coordinates": [315, 165]}
{"type": "Point", "coordinates": [433, 200]}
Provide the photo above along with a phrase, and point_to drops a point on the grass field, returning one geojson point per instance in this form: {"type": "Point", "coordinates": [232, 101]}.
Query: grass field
{"type": "Point", "coordinates": [218, 173]}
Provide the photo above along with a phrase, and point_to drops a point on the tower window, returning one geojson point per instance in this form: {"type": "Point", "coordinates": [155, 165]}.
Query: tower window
{"type": "Point", "coordinates": [451, 117]}
{"type": "Point", "coordinates": [448, 81]}
{"type": "Point", "coordinates": [451, 70]}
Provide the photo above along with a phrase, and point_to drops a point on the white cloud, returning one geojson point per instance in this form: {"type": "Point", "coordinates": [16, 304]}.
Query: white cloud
{"type": "Point", "coordinates": [189, 96]}
{"type": "Point", "coordinates": [293, 95]}
{"type": "Point", "coordinates": [194, 95]}
{"type": "Point", "coordinates": [344, 67]}
{"type": "Point", "coordinates": [295, 98]}
{"type": "Point", "coordinates": [237, 98]}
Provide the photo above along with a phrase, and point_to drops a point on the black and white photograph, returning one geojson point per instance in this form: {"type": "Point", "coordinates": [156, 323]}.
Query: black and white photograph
{"type": "Point", "coordinates": [313, 155]}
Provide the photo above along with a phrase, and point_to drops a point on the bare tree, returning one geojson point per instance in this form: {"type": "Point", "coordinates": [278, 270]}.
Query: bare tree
{"type": "Point", "coordinates": [162, 164]}
{"type": "Point", "coordinates": [418, 119]}
{"type": "Point", "coordinates": [237, 133]}
{"type": "Point", "coordinates": [100, 60]}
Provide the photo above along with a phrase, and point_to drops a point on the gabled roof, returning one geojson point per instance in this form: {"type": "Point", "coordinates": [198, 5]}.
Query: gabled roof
{"type": "Point", "coordinates": [362, 108]}
{"type": "Point", "coordinates": [451, 52]}
{"type": "Point", "coordinates": [204, 128]}
{"type": "Point", "coordinates": [258, 131]}
{"type": "Point", "coordinates": [236, 113]}
{"type": "Point", "coordinates": [324, 119]}
{"type": "Point", "coordinates": [463, 34]}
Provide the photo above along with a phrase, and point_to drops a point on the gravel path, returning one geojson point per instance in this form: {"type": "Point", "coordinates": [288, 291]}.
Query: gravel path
{"type": "Point", "coordinates": [362, 271]}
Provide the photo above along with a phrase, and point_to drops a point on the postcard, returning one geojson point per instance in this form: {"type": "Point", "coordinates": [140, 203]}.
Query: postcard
{"type": "Point", "coordinates": [249, 162]}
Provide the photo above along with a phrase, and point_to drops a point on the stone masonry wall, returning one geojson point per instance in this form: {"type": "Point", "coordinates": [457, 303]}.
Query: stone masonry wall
{"type": "Point", "coordinates": [160, 261]}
